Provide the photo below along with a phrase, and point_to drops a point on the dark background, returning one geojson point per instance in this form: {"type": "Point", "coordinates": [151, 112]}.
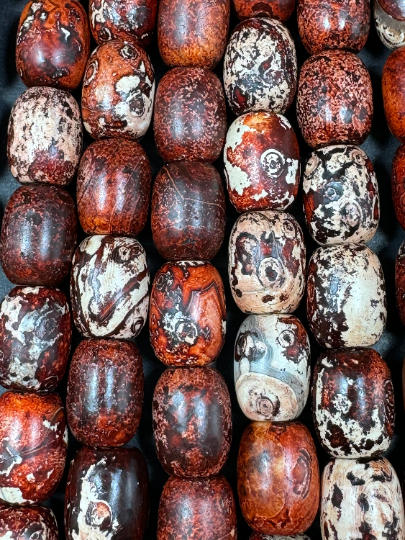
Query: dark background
{"type": "Point", "coordinates": [380, 146]}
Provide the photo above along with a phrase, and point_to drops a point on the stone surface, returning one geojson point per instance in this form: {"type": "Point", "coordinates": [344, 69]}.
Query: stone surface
{"type": "Point", "coordinates": [398, 184]}
{"type": "Point", "coordinates": [274, 9]}
{"type": "Point", "coordinates": [400, 282]}
{"type": "Point", "coordinates": [261, 536]}
{"type": "Point", "coordinates": [395, 8]}
{"type": "Point", "coordinates": [391, 31]}
{"type": "Point", "coordinates": [27, 523]}
{"type": "Point", "coordinates": [393, 91]}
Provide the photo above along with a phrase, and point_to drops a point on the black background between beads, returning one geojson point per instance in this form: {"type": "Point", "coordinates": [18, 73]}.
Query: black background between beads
{"type": "Point", "coordinates": [380, 147]}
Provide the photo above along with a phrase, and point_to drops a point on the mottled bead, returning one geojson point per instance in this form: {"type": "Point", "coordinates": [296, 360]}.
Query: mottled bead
{"type": "Point", "coordinates": [113, 188]}
{"type": "Point", "coordinates": [190, 115]}
{"type": "Point", "coordinates": [334, 99]}
{"type": "Point", "coordinates": [400, 282]}
{"type": "Point", "coordinates": [361, 499]}
{"type": "Point", "coordinates": [278, 478]}
{"type": "Point", "coordinates": [272, 367]}
{"type": "Point", "coordinates": [262, 166]}
{"type": "Point", "coordinates": [107, 495]}
{"type": "Point", "coordinates": [346, 296]}
{"type": "Point", "coordinates": [394, 8]}
{"type": "Point", "coordinates": [110, 415]}
{"type": "Point", "coordinates": [110, 287]}
{"type": "Point", "coordinates": [44, 137]}
{"type": "Point", "coordinates": [53, 43]}
{"type": "Point", "coordinates": [398, 184]}
{"type": "Point", "coordinates": [35, 335]}
{"type": "Point", "coordinates": [187, 319]}
{"type": "Point", "coordinates": [192, 421]}
{"type": "Point", "coordinates": [118, 91]}
{"type": "Point", "coordinates": [261, 536]}
{"type": "Point", "coordinates": [197, 508]}
{"type": "Point", "coordinates": [188, 211]}
{"type": "Point", "coordinates": [274, 9]}
{"type": "Point", "coordinates": [341, 197]}
{"type": "Point", "coordinates": [393, 91]}
{"type": "Point", "coordinates": [33, 445]}
{"type": "Point", "coordinates": [260, 67]}
{"type": "Point", "coordinates": [27, 523]}
{"type": "Point", "coordinates": [38, 235]}
{"type": "Point", "coordinates": [390, 31]}
{"type": "Point", "coordinates": [267, 262]}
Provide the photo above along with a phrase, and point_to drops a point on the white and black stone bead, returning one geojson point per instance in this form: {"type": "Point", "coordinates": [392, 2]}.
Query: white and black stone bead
{"type": "Point", "coordinates": [390, 31]}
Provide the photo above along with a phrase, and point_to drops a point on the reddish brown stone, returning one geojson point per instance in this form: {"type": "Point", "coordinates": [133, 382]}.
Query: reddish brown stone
{"type": "Point", "coordinates": [27, 523]}
{"type": "Point", "coordinates": [400, 282]}
{"type": "Point", "coordinates": [393, 90]}
{"type": "Point", "coordinates": [398, 184]}
{"type": "Point", "coordinates": [278, 478]}
{"type": "Point", "coordinates": [275, 9]}
{"type": "Point", "coordinates": [394, 8]}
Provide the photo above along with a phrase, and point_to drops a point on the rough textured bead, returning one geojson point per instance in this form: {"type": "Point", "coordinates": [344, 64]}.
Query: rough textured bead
{"type": "Point", "coordinates": [113, 188]}
{"type": "Point", "coordinates": [28, 523]}
{"type": "Point", "coordinates": [118, 91]}
{"type": "Point", "coordinates": [192, 439]}
{"type": "Point", "coordinates": [190, 115]}
{"type": "Point", "coordinates": [125, 20]}
{"type": "Point", "coordinates": [187, 320]}
{"type": "Point", "coordinates": [53, 43]}
{"type": "Point", "coordinates": [393, 90]}
{"type": "Point", "coordinates": [107, 495]}
{"type": "Point", "coordinates": [44, 137]}
{"type": "Point", "coordinates": [193, 33]}
{"type": "Point", "coordinates": [188, 211]}
{"type": "Point", "coordinates": [110, 287]}
{"type": "Point", "coordinates": [262, 167]}
{"type": "Point", "coordinates": [33, 445]}
{"type": "Point", "coordinates": [197, 508]}
{"type": "Point", "coordinates": [260, 67]}
{"type": "Point", "coordinates": [35, 335]}
{"type": "Point", "coordinates": [274, 9]}
{"type": "Point", "coordinates": [400, 282]}
{"type": "Point", "coordinates": [346, 297]}
{"type": "Point", "coordinates": [361, 498]}
{"type": "Point", "coordinates": [334, 99]}
{"type": "Point", "coordinates": [38, 235]}
{"type": "Point", "coordinates": [110, 416]}
{"type": "Point", "coordinates": [341, 197]}
{"type": "Point", "coordinates": [278, 478]}
{"type": "Point", "coordinates": [272, 367]}
{"type": "Point", "coordinates": [353, 403]}
{"type": "Point", "coordinates": [267, 262]}
{"type": "Point", "coordinates": [261, 536]}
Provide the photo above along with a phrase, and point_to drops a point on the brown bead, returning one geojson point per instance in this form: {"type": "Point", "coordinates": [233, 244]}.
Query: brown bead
{"type": "Point", "coordinates": [400, 282]}
{"type": "Point", "coordinates": [33, 445]}
{"type": "Point", "coordinates": [193, 33]}
{"type": "Point", "coordinates": [105, 392]}
{"type": "Point", "coordinates": [261, 536]}
{"type": "Point", "coordinates": [53, 43]}
{"type": "Point", "coordinates": [187, 318]}
{"type": "Point", "coordinates": [278, 478]}
{"type": "Point", "coordinates": [394, 8]}
{"type": "Point", "coordinates": [27, 523]}
{"type": "Point", "coordinates": [113, 188]}
{"type": "Point", "coordinates": [334, 99]}
{"type": "Point", "coordinates": [190, 115]}
{"type": "Point", "coordinates": [188, 211]}
{"type": "Point", "coordinates": [274, 9]}
{"type": "Point", "coordinates": [200, 508]}
{"type": "Point", "coordinates": [393, 90]}
{"type": "Point", "coordinates": [398, 184]}
{"type": "Point", "coordinates": [38, 235]}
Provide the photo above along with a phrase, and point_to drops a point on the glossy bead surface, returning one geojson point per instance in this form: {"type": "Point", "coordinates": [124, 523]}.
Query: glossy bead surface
{"type": "Point", "coordinates": [278, 478]}
{"type": "Point", "coordinates": [192, 439]}
{"type": "Point", "coordinates": [53, 43]}
{"type": "Point", "coordinates": [267, 262]}
{"type": "Point", "coordinates": [107, 495]}
{"type": "Point", "coordinates": [398, 184]}
{"type": "Point", "coordinates": [390, 31]}
{"type": "Point", "coordinates": [27, 523]}
{"type": "Point", "coordinates": [393, 90]}
{"type": "Point", "coordinates": [262, 167]}
{"type": "Point", "coordinates": [109, 416]}
{"type": "Point", "coordinates": [118, 91]}
{"type": "Point", "coordinates": [38, 235]}
{"type": "Point", "coordinates": [334, 99]}
{"type": "Point", "coordinates": [187, 319]}
{"type": "Point", "coordinates": [188, 211]}
{"type": "Point", "coordinates": [261, 536]}
{"type": "Point", "coordinates": [346, 296]}
{"type": "Point", "coordinates": [33, 445]}
{"type": "Point", "coordinates": [341, 197]}
{"type": "Point", "coordinates": [394, 8]}
{"type": "Point", "coordinates": [274, 9]}
{"type": "Point", "coordinates": [272, 367]}
{"type": "Point", "coordinates": [400, 282]}
{"type": "Point", "coordinates": [190, 115]}
{"type": "Point", "coordinates": [35, 336]}
{"type": "Point", "coordinates": [113, 188]}
{"type": "Point", "coordinates": [110, 287]}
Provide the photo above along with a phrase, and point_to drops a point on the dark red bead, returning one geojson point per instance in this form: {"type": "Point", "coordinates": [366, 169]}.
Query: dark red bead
{"type": "Point", "coordinates": [398, 184]}
{"type": "Point", "coordinates": [274, 9]}
{"type": "Point", "coordinates": [393, 91]}
{"type": "Point", "coordinates": [400, 282]}
{"type": "Point", "coordinates": [394, 8]}
{"type": "Point", "coordinates": [27, 523]}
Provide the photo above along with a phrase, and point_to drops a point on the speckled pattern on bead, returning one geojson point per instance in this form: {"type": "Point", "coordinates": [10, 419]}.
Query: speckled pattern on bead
{"type": "Point", "coordinates": [275, 9]}
{"type": "Point", "coordinates": [389, 30]}
{"type": "Point", "coordinates": [261, 536]}
{"type": "Point", "coordinates": [395, 8]}
{"type": "Point", "coordinates": [400, 282]}
{"type": "Point", "coordinates": [27, 523]}
{"type": "Point", "coordinates": [398, 184]}
{"type": "Point", "coordinates": [393, 91]}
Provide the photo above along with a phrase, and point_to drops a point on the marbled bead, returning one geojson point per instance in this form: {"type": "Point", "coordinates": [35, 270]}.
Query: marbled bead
{"type": "Point", "coordinates": [341, 197]}
{"type": "Point", "coordinates": [394, 8]}
{"type": "Point", "coordinates": [274, 9]}
{"type": "Point", "coordinates": [278, 478]}
{"type": "Point", "coordinates": [187, 319]}
{"type": "Point", "coordinates": [398, 184]}
{"type": "Point", "coordinates": [33, 445]}
{"type": "Point", "coordinates": [361, 498]}
{"type": "Point", "coordinates": [260, 67]}
{"type": "Point", "coordinates": [400, 282]}
{"type": "Point", "coordinates": [192, 439]}
{"type": "Point", "coordinates": [110, 287]}
{"type": "Point", "coordinates": [261, 536]}
{"type": "Point", "coordinates": [188, 211]}
{"type": "Point", "coordinates": [267, 262]}
{"type": "Point", "coordinates": [190, 115]}
{"type": "Point", "coordinates": [393, 90]}
{"type": "Point", "coordinates": [346, 296]}
{"type": "Point", "coordinates": [262, 166]}
{"type": "Point", "coordinates": [334, 99]}
{"type": "Point", "coordinates": [391, 31]}
{"type": "Point", "coordinates": [27, 523]}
